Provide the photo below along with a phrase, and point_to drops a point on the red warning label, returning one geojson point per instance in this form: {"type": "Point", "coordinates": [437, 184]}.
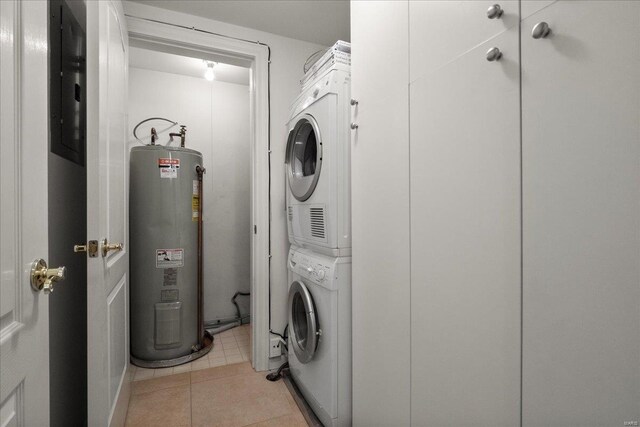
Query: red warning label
{"type": "Point", "coordinates": [167, 163]}
{"type": "Point", "coordinates": [168, 167]}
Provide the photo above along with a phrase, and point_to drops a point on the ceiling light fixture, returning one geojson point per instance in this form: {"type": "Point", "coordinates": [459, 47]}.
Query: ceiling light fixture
{"type": "Point", "coordinates": [208, 74]}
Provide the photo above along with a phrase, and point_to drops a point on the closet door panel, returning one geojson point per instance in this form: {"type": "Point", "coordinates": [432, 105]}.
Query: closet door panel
{"type": "Point", "coordinates": [581, 215]}
{"type": "Point", "coordinates": [380, 213]}
{"type": "Point", "coordinates": [465, 240]}
{"type": "Point", "coordinates": [441, 31]}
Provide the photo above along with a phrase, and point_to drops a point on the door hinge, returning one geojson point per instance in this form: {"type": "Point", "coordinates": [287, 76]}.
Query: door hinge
{"type": "Point", "coordinates": [255, 229]}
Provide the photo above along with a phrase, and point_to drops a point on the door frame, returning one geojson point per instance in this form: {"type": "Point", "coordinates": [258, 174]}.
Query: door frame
{"type": "Point", "coordinates": [173, 38]}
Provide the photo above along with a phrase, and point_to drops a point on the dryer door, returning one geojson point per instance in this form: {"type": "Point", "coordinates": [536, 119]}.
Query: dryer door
{"type": "Point", "coordinates": [303, 322]}
{"type": "Point", "coordinates": [304, 157]}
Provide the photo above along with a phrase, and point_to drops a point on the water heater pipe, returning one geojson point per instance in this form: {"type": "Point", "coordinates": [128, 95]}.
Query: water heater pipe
{"type": "Point", "coordinates": [152, 132]}
{"type": "Point", "coordinates": [201, 331]}
{"type": "Point", "coordinates": [181, 134]}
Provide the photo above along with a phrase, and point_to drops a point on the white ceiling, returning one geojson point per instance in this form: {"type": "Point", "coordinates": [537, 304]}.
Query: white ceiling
{"type": "Point", "coordinates": [317, 21]}
{"type": "Point", "coordinates": [184, 65]}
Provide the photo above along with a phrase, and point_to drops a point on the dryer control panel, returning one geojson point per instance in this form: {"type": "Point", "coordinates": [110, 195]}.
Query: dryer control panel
{"type": "Point", "coordinates": [310, 267]}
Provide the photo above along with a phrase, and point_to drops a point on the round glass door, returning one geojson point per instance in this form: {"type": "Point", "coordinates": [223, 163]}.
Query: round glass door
{"type": "Point", "coordinates": [304, 157]}
{"type": "Point", "coordinates": [303, 322]}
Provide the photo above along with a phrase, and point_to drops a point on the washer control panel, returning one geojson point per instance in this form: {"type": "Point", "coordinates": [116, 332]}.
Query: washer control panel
{"type": "Point", "coordinates": [310, 267]}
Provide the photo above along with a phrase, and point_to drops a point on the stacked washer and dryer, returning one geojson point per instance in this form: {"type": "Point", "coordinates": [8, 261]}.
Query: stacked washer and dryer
{"type": "Point", "coordinates": [319, 224]}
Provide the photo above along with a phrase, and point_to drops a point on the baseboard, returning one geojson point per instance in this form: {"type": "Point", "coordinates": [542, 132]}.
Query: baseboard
{"type": "Point", "coordinates": [304, 407]}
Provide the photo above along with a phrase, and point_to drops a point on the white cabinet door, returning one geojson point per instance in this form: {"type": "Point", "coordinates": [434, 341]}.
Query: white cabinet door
{"type": "Point", "coordinates": [380, 213]}
{"type": "Point", "coordinates": [443, 30]}
{"type": "Point", "coordinates": [465, 240]}
{"type": "Point", "coordinates": [24, 146]}
{"type": "Point", "coordinates": [107, 211]}
{"type": "Point", "coordinates": [581, 215]}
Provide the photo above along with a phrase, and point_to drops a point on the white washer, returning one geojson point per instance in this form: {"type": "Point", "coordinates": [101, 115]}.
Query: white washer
{"type": "Point", "coordinates": [319, 308]}
{"type": "Point", "coordinates": [317, 164]}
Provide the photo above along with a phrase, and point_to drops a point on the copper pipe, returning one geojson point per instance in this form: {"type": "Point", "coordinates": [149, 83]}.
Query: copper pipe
{"type": "Point", "coordinates": [181, 134]}
{"type": "Point", "coordinates": [201, 337]}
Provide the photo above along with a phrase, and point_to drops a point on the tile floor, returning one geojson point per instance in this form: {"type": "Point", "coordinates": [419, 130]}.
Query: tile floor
{"type": "Point", "coordinates": [229, 395]}
{"type": "Point", "coordinates": [229, 347]}
{"type": "Point", "coordinates": [220, 389]}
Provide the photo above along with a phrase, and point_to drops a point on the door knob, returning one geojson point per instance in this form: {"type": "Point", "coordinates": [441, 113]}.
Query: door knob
{"type": "Point", "coordinates": [493, 54]}
{"type": "Point", "coordinates": [494, 11]}
{"type": "Point", "coordinates": [353, 102]}
{"type": "Point", "coordinates": [43, 278]}
{"type": "Point", "coordinates": [91, 248]}
{"type": "Point", "coordinates": [540, 30]}
{"type": "Point", "coordinates": [106, 247]}
{"type": "Point", "coordinates": [354, 126]}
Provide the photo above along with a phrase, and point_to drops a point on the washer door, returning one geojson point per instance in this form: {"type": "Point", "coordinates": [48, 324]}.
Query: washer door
{"type": "Point", "coordinates": [303, 322]}
{"type": "Point", "coordinates": [304, 157]}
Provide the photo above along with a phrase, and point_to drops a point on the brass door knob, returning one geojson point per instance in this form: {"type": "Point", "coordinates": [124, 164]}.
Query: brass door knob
{"type": "Point", "coordinates": [43, 278]}
{"type": "Point", "coordinates": [106, 247]}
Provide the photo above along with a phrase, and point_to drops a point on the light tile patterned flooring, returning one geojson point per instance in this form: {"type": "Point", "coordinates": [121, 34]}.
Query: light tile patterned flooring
{"type": "Point", "coordinates": [230, 395]}
{"type": "Point", "coordinates": [220, 389]}
{"type": "Point", "coordinates": [231, 346]}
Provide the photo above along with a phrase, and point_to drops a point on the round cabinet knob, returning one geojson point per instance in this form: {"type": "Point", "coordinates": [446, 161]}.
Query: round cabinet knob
{"type": "Point", "coordinates": [494, 11]}
{"type": "Point", "coordinates": [540, 30]}
{"type": "Point", "coordinates": [354, 102]}
{"type": "Point", "coordinates": [354, 126]}
{"type": "Point", "coordinates": [493, 54]}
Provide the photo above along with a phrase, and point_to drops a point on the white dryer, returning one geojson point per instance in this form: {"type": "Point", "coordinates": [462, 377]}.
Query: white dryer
{"type": "Point", "coordinates": [319, 309]}
{"type": "Point", "coordinates": [317, 164]}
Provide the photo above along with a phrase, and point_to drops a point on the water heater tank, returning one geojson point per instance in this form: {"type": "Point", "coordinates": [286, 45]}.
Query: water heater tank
{"type": "Point", "coordinates": [163, 221]}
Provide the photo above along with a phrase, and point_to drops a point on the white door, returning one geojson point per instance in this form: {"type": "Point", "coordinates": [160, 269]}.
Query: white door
{"type": "Point", "coordinates": [24, 313]}
{"type": "Point", "coordinates": [581, 215]}
{"type": "Point", "coordinates": [107, 211]}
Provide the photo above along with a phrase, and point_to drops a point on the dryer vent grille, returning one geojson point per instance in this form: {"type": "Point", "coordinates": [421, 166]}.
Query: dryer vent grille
{"type": "Point", "coordinates": [317, 222]}
{"type": "Point", "coordinates": [290, 213]}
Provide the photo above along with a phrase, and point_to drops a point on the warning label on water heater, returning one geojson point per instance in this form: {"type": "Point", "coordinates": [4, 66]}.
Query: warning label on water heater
{"type": "Point", "coordinates": [169, 258]}
{"type": "Point", "coordinates": [195, 201]}
{"type": "Point", "coordinates": [168, 167]}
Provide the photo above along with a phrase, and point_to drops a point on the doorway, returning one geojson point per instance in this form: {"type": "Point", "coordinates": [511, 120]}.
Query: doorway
{"type": "Point", "coordinates": [206, 48]}
{"type": "Point", "coordinates": [211, 99]}
{"type": "Point", "coordinates": [67, 212]}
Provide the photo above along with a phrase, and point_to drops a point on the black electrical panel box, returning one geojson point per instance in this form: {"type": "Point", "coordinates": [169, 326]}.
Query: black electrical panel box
{"type": "Point", "coordinates": [67, 78]}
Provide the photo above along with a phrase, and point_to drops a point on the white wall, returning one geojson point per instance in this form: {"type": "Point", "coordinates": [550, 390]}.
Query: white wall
{"type": "Point", "coordinates": [287, 58]}
{"type": "Point", "coordinates": [216, 115]}
{"type": "Point", "coordinates": [227, 218]}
